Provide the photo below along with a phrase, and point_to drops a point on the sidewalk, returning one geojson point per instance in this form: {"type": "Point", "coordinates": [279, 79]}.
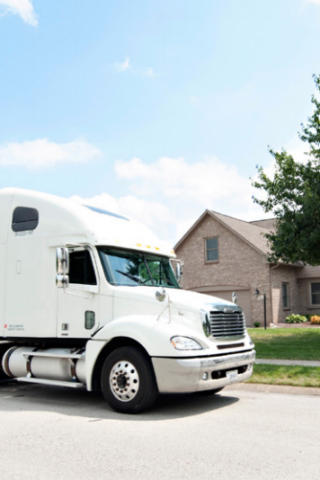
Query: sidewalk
{"type": "Point", "coordinates": [302, 363]}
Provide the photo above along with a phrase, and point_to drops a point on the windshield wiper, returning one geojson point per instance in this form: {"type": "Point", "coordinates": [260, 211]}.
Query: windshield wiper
{"type": "Point", "coordinates": [132, 277]}
{"type": "Point", "coordinates": [146, 263]}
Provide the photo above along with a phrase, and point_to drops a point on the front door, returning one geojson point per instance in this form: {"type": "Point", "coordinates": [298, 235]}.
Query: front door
{"type": "Point", "coordinates": [79, 304]}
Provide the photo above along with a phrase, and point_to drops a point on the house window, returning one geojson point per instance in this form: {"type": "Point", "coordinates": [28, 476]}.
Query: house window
{"type": "Point", "coordinates": [212, 254]}
{"type": "Point", "coordinates": [285, 295]}
{"type": "Point", "coordinates": [315, 293]}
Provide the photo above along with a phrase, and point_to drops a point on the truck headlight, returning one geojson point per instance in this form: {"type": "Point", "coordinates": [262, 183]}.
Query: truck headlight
{"type": "Point", "coordinates": [185, 343]}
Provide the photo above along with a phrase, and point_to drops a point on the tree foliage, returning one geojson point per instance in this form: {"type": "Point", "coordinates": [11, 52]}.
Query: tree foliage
{"type": "Point", "coordinates": [293, 195]}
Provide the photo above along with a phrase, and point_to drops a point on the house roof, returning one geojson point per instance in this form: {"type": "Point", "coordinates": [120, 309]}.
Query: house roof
{"type": "Point", "coordinates": [250, 233]}
{"type": "Point", "coordinates": [266, 223]}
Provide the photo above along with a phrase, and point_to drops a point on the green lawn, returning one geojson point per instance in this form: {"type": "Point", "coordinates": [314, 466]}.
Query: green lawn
{"type": "Point", "coordinates": [284, 375]}
{"type": "Point", "coordinates": [287, 343]}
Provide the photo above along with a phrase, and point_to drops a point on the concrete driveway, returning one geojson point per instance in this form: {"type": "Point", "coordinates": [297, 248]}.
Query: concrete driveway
{"type": "Point", "coordinates": [245, 432]}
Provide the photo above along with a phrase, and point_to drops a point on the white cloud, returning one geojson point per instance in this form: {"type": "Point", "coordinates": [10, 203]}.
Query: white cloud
{"type": "Point", "coordinates": [43, 153]}
{"type": "Point", "coordinates": [187, 189]}
{"type": "Point", "coordinates": [169, 195]}
{"type": "Point", "coordinates": [149, 72]}
{"type": "Point", "coordinates": [139, 209]}
{"type": "Point", "coordinates": [24, 8]}
{"type": "Point", "coordinates": [203, 182]}
{"type": "Point", "coordinates": [152, 214]}
{"type": "Point", "coordinates": [316, 2]}
{"type": "Point", "coordinates": [126, 66]}
{"type": "Point", "coordinates": [297, 149]}
{"type": "Point", "coordinates": [122, 67]}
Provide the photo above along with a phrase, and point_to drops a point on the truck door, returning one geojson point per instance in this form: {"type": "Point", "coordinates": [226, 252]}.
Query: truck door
{"type": "Point", "coordinates": [5, 211]}
{"type": "Point", "coordinates": [79, 304]}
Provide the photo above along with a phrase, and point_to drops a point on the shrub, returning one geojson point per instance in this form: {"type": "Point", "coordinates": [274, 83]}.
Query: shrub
{"type": "Point", "coordinates": [294, 318]}
{"type": "Point", "coordinates": [315, 319]}
{"type": "Point", "coordinates": [256, 324]}
{"type": "Point", "coordinates": [310, 315]}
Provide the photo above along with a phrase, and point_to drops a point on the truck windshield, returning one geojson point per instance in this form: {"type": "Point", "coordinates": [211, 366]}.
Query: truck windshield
{"type": "Point", "coordinates": [134, 268]}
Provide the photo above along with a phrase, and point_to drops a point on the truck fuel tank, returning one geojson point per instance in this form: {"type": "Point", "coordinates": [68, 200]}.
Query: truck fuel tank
{"type": "Point", "coordinates": [57, 364]}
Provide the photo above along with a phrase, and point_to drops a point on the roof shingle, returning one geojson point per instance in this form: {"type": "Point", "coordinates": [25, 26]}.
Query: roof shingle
{"type": "Point", "coordinates": [250, 233]}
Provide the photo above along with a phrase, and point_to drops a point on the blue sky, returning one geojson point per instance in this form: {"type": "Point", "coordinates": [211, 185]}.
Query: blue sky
{"type": "Point", "coordinates": [156, 109]}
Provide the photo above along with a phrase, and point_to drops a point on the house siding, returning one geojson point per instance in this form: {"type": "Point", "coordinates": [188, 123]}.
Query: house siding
{"type": "Point", "coordinates": [283, 274]}
{"type": "Point", "coordinates": [309, 272]}
{"type": "Point", "coordinates": [305, 306]}
{"type": "Point", "coordinates": [239, 266]}
{"type": "Point", "coordinates": [242, 267]}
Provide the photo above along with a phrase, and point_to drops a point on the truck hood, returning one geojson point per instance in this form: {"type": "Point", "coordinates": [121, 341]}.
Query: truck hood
{"type": "Point", "coordinates": [182, 299]}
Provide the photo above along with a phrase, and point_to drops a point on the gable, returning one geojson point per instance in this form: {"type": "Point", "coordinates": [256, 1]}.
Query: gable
{"type": "Point", "coordinates": [252, 235]}
{"type": "Point", "coordinates": [230, 246]}
{"type": "Point", "coordinates": [236, 263]}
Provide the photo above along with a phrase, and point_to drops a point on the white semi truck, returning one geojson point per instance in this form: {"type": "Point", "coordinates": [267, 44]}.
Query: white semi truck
{"type": "Point", "coordinates": [91, 298]}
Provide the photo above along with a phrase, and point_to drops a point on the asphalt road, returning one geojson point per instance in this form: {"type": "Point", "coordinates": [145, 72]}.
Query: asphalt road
{"type": "Point", "coordinates": [242, 433]}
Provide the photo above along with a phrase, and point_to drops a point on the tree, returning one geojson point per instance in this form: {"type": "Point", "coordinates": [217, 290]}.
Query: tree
{"type": "Point", "coordinates": [293, 195]}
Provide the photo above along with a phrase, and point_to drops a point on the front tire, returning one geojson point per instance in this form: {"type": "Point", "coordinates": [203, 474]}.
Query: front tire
{"type": "Point", "coordinates": [127, 381]}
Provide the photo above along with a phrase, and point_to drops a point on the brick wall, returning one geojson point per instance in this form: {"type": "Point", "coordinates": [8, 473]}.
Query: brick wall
{"type": "Point", "coordinates": [241, 267]}
{"type": "Point", "coordinates": [284, 274]}
{"type": "Point", "coordinates": [304, 296]}
{"type": "Point", "coordinates": [239, 264]}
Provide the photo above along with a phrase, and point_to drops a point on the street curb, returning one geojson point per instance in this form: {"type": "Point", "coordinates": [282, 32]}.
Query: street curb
{"type": "Point", "coordinates": [302, 363]}
{"type": "Point", "coordinates": [266, 388]}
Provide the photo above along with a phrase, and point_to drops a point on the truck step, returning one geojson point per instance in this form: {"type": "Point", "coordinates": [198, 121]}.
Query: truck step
{"type": "Point", "coordinates": [56, 383]}
{"type": "Point", "coordinates": [52, 355]}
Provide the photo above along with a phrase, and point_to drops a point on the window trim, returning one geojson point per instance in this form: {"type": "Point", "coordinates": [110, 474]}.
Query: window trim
{"type": "Point", "coordinates": [88, 287]}
{"type": "Point", "coordinates": [287, 285]}
{"type": "Point", "coordinates": [210, 249]}
{"type": "Point", "coordinates": [310, 296]}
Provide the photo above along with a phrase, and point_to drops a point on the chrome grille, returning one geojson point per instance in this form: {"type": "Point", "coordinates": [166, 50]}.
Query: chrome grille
{"type": "Point", "coordinates": [227, 324]}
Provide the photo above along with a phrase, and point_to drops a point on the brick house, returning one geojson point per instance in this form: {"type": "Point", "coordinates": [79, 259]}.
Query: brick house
{"type": "Point", "coordinates": [222, 254]}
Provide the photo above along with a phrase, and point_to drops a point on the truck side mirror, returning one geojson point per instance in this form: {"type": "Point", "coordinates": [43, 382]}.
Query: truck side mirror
{"type": "Point", "coordinates": [177, 266]}
{"type": "Point", "coordinates": [62, 281]}
{"type": "Point", "coordinates": [62, 264]}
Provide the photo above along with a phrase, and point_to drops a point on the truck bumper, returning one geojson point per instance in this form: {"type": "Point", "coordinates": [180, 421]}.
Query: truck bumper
{"type": "Point", "coordinates": [187, 375]}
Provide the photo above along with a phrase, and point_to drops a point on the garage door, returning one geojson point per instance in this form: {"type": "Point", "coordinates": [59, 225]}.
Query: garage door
{"type": "Point", "coordinates": [244, 301]}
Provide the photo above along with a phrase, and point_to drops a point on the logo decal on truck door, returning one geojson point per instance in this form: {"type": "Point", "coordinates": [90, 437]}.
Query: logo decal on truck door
{"type": "Point", "coordinates": [16, 327]}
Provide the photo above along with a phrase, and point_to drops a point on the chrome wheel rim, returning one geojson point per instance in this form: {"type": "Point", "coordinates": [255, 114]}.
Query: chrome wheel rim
{"type": "Point", "coordinates": [124, 381]}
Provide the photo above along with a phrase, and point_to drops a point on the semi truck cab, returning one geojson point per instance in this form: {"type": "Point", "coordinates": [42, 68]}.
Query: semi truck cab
{"type": "Point", "coordinates": [90, 298]}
